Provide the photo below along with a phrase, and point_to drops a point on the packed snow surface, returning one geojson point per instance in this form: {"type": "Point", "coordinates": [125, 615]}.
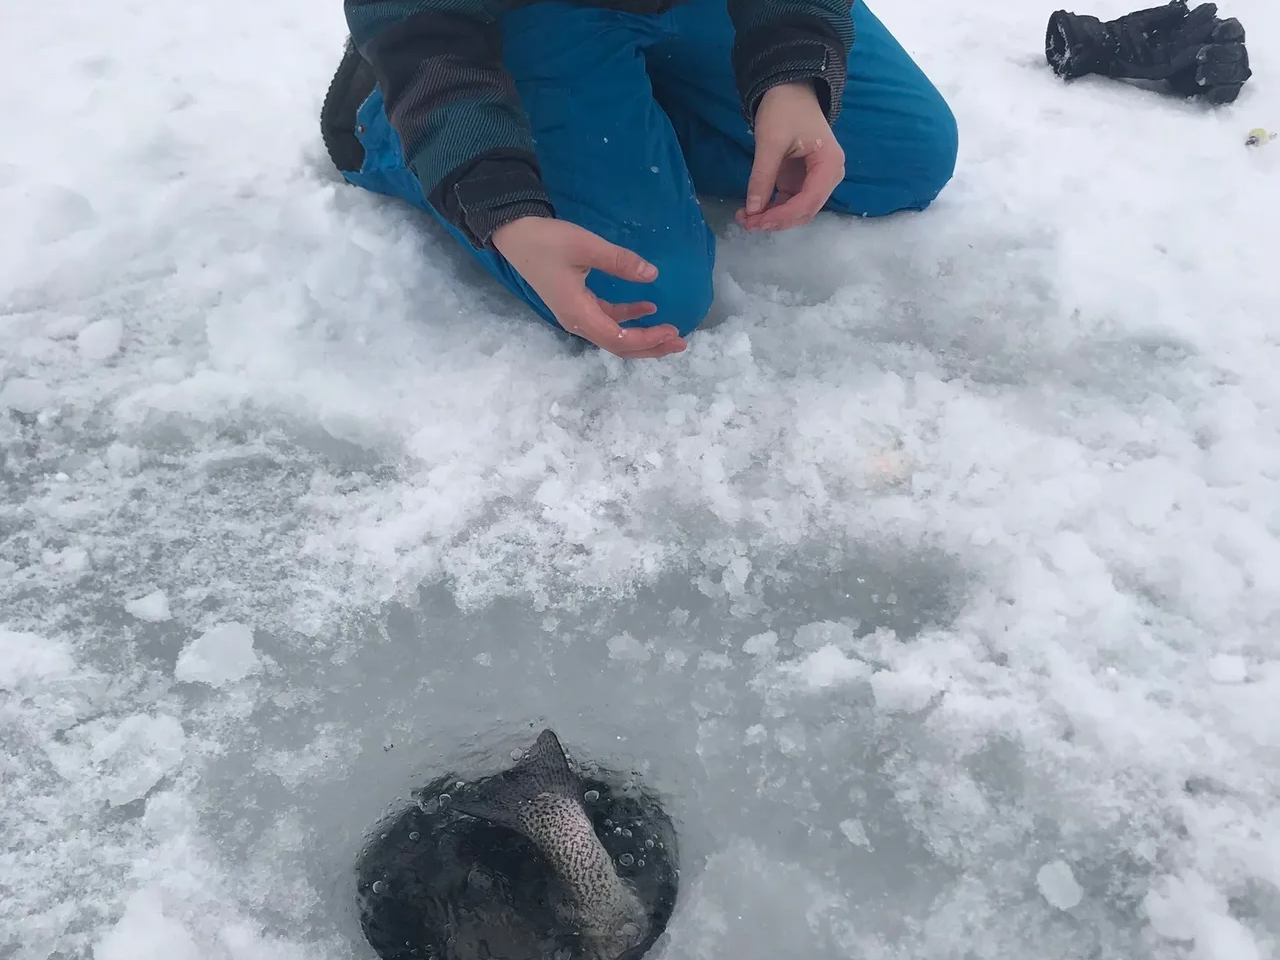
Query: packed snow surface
{"type": "Point", "coordinates": [936, 585]}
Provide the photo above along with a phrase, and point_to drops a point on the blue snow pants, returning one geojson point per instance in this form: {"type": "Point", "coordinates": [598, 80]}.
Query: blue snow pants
{"type": "Point", "coordinates": [635, 116]}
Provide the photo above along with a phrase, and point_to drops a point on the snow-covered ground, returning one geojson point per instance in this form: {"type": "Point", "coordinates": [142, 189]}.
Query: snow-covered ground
{"type": "Point", "coordinates": [937, 585]}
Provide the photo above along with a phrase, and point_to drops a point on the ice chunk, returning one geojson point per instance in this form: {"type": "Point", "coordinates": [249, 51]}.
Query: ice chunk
{"type": "Point", "coordinates": [1173, 904]}
{"type": "Point", "coordinates": [827, 667]}
{"type": "Point", "coordinates": [33, 348]}
{"type": "Point", "coordinates": [735, 576]}
{"type": "Point", "coordinates": [1228, 668]}
{"type": "Point", "coordinates": [1188, 909]}
{"type": "Point", "coordinates": [25, 657]}
{"type": "Point", "coordinates": [121, 760]}
{"type": "Point", "coordinates": [714, 661]}
{"type": "Point", "coordinates": [626, 647]}
{"type": "Point", "coordinates": [902, 691]}
{"type": "Point", "coordinates": [218, 657]}
{"type": "Point", "coordinates": [100, 340]}
{"type": "Point", "coordinates": [144, 932]}
{"type": "Point", "coordinates": [123, 459]}
{"type": "Point", "coordinates": [853, 832]}
{"type": "Point", "coordinates": [169, 815]}
{"type": "Point", "coordinates": [811, 636]}
{"type": "Point", "coordinates": [136, 755]}
{"type": "Point", "coordinates": [1166, 916]}
{"type": "Point", "coordinates": [1223, 937]}
{"type": "Point", "coordinates": [792, 739]}
{"type": "Point", "coordinates": [55, 213]}
{"type": "Point", "coordinates": [153, 608]}
{"type": "Point", "coordinates": [1058, 885]}
{"type": "Point", "coordinates": [762, 644]}
{"type": "Point", "coordinates": [676, 659]}
{"type": "Point", "coordinates": [62, 327]}
{"type": "Point", "coordinates": [71, 559]}
{"type": "Point", "coordinates": [25, 395]}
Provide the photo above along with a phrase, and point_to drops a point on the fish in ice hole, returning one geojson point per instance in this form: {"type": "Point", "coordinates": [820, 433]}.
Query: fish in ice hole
{"type": "Point", "coordinates": [515, 866]}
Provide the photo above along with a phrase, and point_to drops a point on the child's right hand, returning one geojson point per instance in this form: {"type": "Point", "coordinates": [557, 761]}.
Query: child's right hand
{"type": "Point", "coordinates": [555, 256]}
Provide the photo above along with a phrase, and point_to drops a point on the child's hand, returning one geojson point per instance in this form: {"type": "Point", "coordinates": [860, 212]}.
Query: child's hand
{"type": "Point", "coordinates": [555, 256]}
{"type": "Point", "coordinates": [796, 154]}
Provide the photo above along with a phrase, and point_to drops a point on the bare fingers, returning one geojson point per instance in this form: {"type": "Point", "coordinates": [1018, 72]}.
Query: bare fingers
{"type": "Point", "coordinates": [622, 312]}
{"type": "Point", "coordinates": [585, 315]}
{"type": "Point", "coordinates": [823, 171]}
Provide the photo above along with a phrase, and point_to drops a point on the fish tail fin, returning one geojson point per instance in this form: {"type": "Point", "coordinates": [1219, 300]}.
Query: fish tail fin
{"type": "Point", "coordinates": [501, 797]}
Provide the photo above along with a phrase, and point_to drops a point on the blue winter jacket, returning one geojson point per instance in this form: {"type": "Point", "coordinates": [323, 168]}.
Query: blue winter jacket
{"type": "Point", "coordinates": [466, 136]}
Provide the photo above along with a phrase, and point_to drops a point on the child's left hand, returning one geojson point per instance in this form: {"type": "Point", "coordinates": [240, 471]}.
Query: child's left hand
{"type": "Point", "coordinates": [797, 155]}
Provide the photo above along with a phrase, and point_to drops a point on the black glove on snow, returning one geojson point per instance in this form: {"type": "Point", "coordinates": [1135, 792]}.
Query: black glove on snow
{"type": "Point", "coordinates": [1198, 54]}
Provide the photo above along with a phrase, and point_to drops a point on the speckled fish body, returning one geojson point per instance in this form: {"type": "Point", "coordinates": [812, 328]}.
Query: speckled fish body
{"type": "Point", "coordinates": [540, 798]}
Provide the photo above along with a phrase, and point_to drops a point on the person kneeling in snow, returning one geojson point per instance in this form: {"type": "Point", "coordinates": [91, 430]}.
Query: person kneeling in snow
{"type": "Point", "coordinates": [565, 143]}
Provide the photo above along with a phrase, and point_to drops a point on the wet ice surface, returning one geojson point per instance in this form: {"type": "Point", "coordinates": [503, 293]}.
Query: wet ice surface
{"type": "Point", "coordinates": [935, 586]}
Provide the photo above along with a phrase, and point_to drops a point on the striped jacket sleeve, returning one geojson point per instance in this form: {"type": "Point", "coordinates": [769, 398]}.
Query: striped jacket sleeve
{"type": "Point", "coordinates": [463, 130]}
{"type": "Point", "coordinates": [782, 41]}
